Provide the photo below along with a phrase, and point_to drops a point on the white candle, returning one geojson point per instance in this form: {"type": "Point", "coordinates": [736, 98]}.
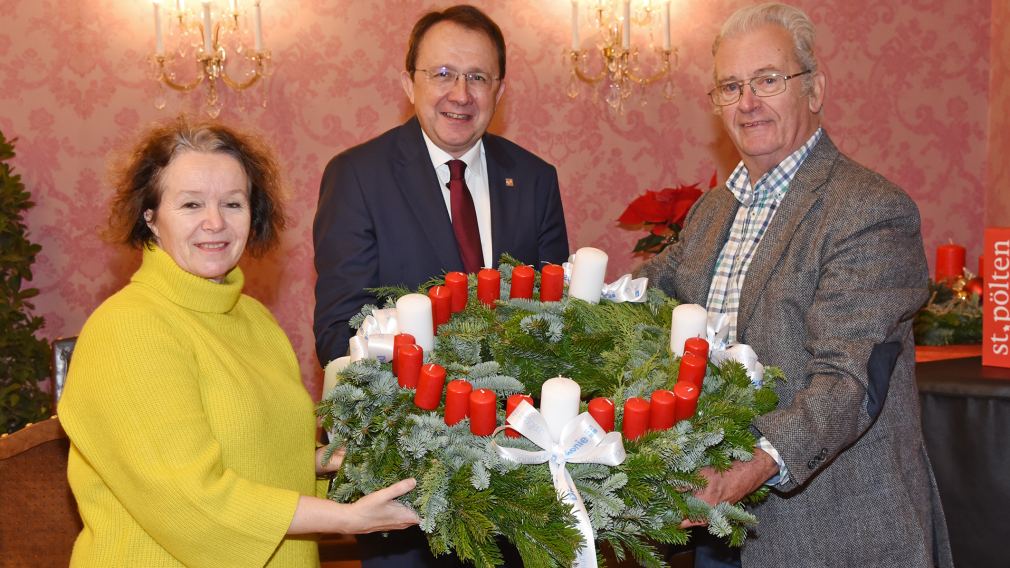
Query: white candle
{"type": "Point", "coordinates": [413, 312]}
{"type": "Point", "coordinates": [626, 36]}
{"type": "Point", "coordinates": [233, 4]}
{"type": "Point", "coordinates": [666, 27]}
{"type": "Point", "coordinates": [159, 44]}
{"type": "Point", "coordinates": [330, 373]}
{"type": "Point", "coordinates": [588, 270]}
{"type": "Point", "coordinates": [575, 25]}
{"type": "Point", "coordinates": [559, 404]}
{"type": "Point", "coordinates": [180, 5]}
{"type": "Point", "coordinates": [259, 28]}
{"type": "Point", "coordinates": [688, 320]}
{"type": "Point", "coordinates": [207, 40]}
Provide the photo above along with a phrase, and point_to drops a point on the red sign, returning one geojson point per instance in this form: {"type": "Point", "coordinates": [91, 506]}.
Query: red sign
{"type": "Point", "coordinates": [996, 298]}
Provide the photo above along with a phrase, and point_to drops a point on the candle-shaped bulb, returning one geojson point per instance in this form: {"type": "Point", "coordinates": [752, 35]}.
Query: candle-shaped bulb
{"type": "Point", "coordinates": [667, 44]}
{"type": "Point", "coordinates": [159, 42]}
{"type": "Point", "coordinates": [208, 32]}
{"type": "Point", "coordinates": [575, 25]}
{"type": "Point", "coordinates": [259, 27]}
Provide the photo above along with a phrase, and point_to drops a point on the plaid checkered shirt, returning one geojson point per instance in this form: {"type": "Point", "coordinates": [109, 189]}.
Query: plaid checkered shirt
{"type": "Point", "coordinates": [756, 211]}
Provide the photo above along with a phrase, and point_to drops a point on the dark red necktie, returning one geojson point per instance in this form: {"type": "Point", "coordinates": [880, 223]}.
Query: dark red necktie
{"type": "Point", "coordinates": [464, 218]}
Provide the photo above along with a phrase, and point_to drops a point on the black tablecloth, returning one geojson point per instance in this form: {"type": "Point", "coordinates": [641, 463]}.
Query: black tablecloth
{"type": "Point", "coordinates": [966, 424]}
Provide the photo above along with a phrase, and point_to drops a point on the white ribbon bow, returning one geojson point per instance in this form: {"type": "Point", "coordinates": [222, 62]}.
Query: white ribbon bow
{"type": "Point", "coordinates": [720, 349]}
{"type": "Point", "coordinates": [624, 289]}
{"type": "Point", "coordinates": [374, 339]}
{"type": "Point", "coordinates": [582, 441]}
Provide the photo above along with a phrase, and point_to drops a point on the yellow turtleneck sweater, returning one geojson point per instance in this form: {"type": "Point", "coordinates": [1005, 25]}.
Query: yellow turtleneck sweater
{"type": "Point", "coordinates": [192, 435]}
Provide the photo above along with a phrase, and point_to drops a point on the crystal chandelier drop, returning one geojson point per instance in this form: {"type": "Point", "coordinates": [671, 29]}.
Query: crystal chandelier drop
{"type": "Point", "coordinates": [620, 69]}
{"type": "Point", "coordinates": [206, 41]}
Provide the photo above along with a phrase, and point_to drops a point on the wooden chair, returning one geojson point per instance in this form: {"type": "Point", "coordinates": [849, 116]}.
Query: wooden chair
{"type": "Point", "coordinates": [40, 520]}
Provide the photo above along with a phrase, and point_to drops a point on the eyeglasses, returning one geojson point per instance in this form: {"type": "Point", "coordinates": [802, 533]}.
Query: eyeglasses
{"type": "Point", "coordinates": [763, 86]}
{"type": "Point", "coordinates": [444, 78]}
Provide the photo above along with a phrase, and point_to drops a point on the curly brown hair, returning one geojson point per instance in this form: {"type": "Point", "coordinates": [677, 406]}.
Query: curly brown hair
{"type": "Point", "coordinates": [138, 180]}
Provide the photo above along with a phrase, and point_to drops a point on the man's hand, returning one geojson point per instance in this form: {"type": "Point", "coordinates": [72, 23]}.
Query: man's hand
{"type": "Point", "coordinates": [732, 485]}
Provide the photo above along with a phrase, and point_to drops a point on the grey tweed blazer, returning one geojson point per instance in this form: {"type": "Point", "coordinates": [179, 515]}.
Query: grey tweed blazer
{"type": "Point", "coordinates": [829, 298]}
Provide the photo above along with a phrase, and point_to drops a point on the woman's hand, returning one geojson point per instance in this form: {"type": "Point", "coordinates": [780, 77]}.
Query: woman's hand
{"type": "Point", "coordinates": [323, 467]}
{"type": "Point", "coordinates": [378, 511]}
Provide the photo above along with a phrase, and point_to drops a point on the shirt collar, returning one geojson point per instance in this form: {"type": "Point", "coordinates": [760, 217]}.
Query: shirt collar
{"type": "Point", "coordinates": [775, 181]}
{"type": "Point", "coordinates": [439, 156]}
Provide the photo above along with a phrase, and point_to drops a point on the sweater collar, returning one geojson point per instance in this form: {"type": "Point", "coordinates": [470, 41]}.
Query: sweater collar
{"type": "Point", "coordinates": [159, 271]}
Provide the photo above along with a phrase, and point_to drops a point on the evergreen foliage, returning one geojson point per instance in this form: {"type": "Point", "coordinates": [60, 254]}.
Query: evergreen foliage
{"type": "Point", "coordinates": [951, 316]}
{"type": "Point", "coordinates": [467, 496]}
{"type": "Point", "coordinates": [24, 358]}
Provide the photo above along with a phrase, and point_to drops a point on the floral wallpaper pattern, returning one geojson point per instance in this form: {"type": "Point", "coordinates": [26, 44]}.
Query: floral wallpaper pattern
{"type": "Point", "coordinates": [908, 95]}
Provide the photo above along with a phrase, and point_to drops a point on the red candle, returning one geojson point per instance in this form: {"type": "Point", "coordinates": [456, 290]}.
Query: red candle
{"type": "Point", "coordinates": [981, 267]}
{"type": "Point", "coordinates": [398, 340]}
{"type": "Point", "coordinates": [457, 401]}
{"type": "Point", "coordinates": [510, 404]}
{"type": "Point", "coordinates": [686, 395]}
{"type": "Point", "coordinates": [441, 304]}
{"type": "Point", "coordinates": [522, 282]}
{"type": "Point", "coordinates": [457, 283]}
{"type": "Point", "coordinates": [698, 346]}
{"type": "Point", "coordinates": [602, 410]}
{"type": "Point", "coordinates": [408, 366]}
{"type": "Point", "coordinates": [949, 262]}
{"type": "Point", "coordinates": [483, 412]}
{"type": "Point", "coordinates": [636, 418]}
{"type": "Point", "coordinates": [692, 369]}
{"type": "Point", "coordinates": [552, 283]}
{"type": "Point", "coordinates": [661, 412]}
{"type": "Point", "coordinates": [429, 387]}
{"type": "Point", "coordinates": [488, 286]}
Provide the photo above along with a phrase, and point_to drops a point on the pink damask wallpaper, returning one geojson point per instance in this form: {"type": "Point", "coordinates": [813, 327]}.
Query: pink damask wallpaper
{"type": "Point", "coordinates": [908, 95]}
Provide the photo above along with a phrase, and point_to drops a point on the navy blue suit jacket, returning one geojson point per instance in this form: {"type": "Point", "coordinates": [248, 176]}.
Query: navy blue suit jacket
{"type": "Point", "coordinates": [382, 221]}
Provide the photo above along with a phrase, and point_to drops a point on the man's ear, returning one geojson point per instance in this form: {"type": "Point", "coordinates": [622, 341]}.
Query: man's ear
{"type": "Point", "coordinates": [407, 82]}
{"type": "Point", "coordinates": [818, 87]}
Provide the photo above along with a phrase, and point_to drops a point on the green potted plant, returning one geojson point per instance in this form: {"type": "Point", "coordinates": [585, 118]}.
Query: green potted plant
{"type": "Point", "coordinates": [24, 358]}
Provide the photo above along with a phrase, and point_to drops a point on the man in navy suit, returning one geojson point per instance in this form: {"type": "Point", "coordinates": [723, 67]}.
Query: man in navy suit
{"type": "Point", "coordinates": [437, 193]}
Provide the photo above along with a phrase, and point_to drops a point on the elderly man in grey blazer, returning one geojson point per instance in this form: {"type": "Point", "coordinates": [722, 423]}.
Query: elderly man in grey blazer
{"type": "Point", "coordinates": [818, 264]}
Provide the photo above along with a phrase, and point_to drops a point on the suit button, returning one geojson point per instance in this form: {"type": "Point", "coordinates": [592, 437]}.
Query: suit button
{"type": "Point", "coordinates": [812, 464]}
{"type": "Point", "coordinates": [823, 454]}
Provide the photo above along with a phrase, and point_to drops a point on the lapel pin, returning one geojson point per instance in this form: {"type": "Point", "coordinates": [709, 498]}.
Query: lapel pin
{"type": "Point", "coordinates": [509, 182]}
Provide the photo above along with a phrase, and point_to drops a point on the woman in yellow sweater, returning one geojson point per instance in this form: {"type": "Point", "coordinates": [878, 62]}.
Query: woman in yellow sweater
{"type": "Point", "coordinates": [191, 433]}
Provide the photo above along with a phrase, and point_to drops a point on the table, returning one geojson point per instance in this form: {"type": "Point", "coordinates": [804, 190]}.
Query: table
{"type": "Point", "coordinates": [966, 425]}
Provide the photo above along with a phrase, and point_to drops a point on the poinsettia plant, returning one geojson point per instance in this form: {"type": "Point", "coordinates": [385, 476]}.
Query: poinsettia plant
{"type": "Point", "coordinates": [661, 213]}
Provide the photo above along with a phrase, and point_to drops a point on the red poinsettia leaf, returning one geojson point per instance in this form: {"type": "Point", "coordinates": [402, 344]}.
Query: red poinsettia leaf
{"type": "Point", "coordinates": [645, 209]}
{"type": "Point", "coordinates": [660, 229]}
{"type": "Point", "coordinates": [685, 199]}
{"type": "Point", "coordinates": [714, 181]}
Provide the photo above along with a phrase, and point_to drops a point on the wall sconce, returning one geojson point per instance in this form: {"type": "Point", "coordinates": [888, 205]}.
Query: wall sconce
{"type": "Point", "coordinates": [620, 61]}
{"type": "Point", "coordinates": [215, 38]}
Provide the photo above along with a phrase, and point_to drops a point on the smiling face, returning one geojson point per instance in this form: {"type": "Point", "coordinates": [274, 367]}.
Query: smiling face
{"type": "Point", "coordinates": [203, 219]}
{"type": "Point", "coordinates": [766, 130]}
{"type": "Point", "coordinates": [454, 118]}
